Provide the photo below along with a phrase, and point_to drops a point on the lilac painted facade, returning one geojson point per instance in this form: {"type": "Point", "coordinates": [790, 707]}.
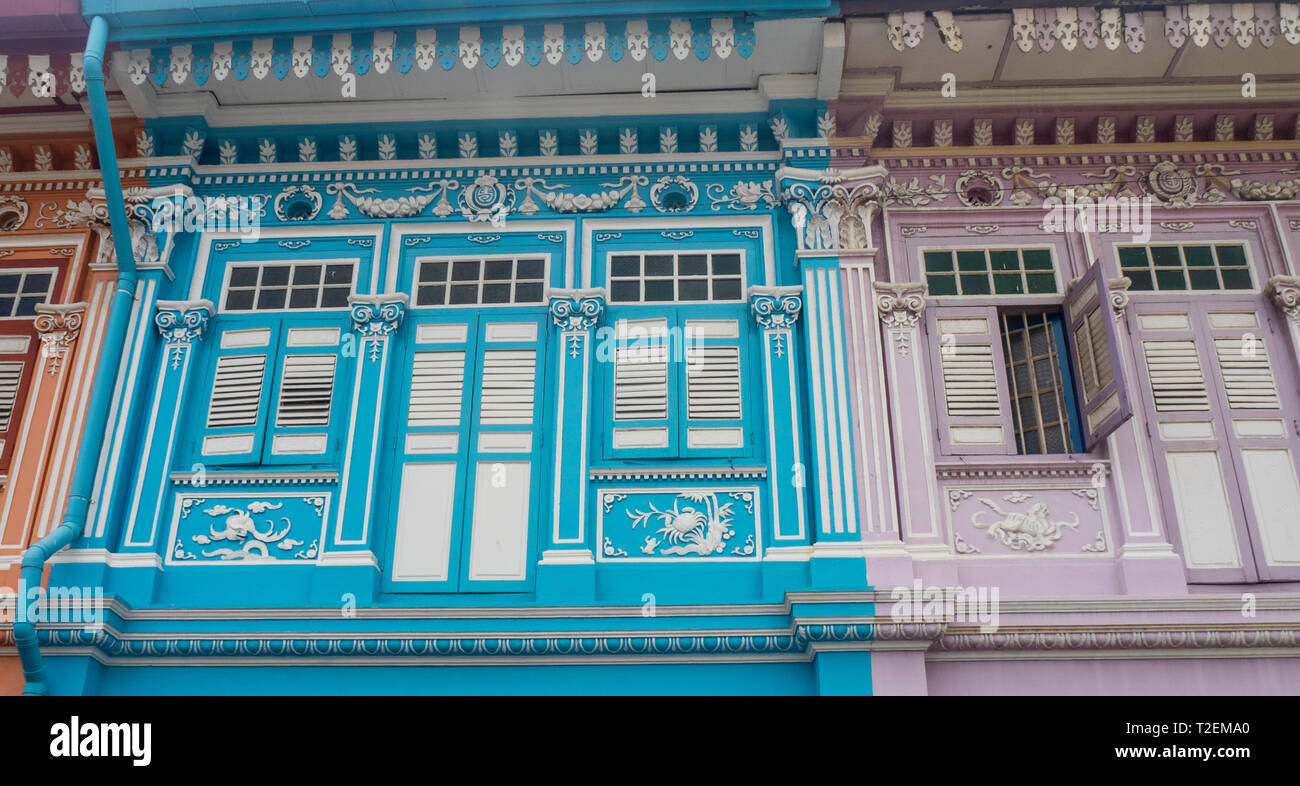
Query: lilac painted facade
{"type": "Point", "coordinates": [1147, 541]}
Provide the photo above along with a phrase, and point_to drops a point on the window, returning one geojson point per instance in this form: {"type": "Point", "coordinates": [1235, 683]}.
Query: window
{"type": "Point", "coordinates": [1037, 382]}
{"type": "Point", "coordinates": [686, 277]}
{"type": "Point", "coordinates": [1182, 267]}
{"type": "Point", "coordinates": [1042, 396]}
{"type": "Point", "coordinates": [22, 290]}
{"type": "Point", "coordinates": [290, 285]}
{"type": "Point", "coordinates": [479, 281]}
{"type": "Point", "coordinates": [990, 272]}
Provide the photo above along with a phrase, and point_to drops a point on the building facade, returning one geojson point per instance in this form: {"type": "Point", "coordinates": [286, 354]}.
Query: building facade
{"type": "Point", "coordinates": [818, 350]}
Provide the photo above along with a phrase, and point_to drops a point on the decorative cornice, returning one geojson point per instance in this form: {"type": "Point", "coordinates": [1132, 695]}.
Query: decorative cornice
{"type": "Point", "coordinates": [776, 308]}
{"type": "Point", "coordinates": [1037, 469]}
{"type": "Point", "coordinates": [1285, 291]}
{"type": "Point", "coordinates": [58, 326]}
{"type": "Point", "coordinates": [576, 309]}
{"type": "Point", "coordinates": [900, 305]}
{"type": "Point", "coordinates": [252, 478]}
{"type": "Point", "coordinates": [673, 473]}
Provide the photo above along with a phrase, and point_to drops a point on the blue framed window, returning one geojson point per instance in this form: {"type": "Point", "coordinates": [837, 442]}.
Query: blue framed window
{"type": "Point", "coordinates": [1044, 409]}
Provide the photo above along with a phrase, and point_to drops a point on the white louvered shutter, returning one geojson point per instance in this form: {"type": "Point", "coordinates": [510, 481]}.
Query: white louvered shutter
{"type": "Point", "coordinates": [1098, 368]}
{"type": "Point", "coordinates": [305, 428]}
{"type": "Point", "coordinates": [1246, 373]}
{"type": "Point", "coordinates": [238, 396]}
{"type": "Point", "coordinates": [11, 375]}
{"type": "Point", "coordinates": [969, 375]}
{"type": "Point", "coordinates": [642, 389]}
{"type": "Point", "coordinates": [306, 391]}
{"type": "Point", "coordinates": [713, 388]}
{"type": "Point", "coordinates": [506, 394]}
{"type": "Point", "coordinates": [1177, 379]}
{"type": "Point", "coordinates": [437, 387]}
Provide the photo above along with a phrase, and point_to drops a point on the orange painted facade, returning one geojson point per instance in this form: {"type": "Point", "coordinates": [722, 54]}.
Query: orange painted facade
{"type": "Point", "coordinates": [56, 280]}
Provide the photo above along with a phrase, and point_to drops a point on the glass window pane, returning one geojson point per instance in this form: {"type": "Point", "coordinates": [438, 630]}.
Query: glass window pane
{"type": "Point", "coordinates": [9, 284]}
{"type": "Point", "coordinates": [1038, 259]}
{"type": "Point", "coordinates": [496, 293]}
{"type": "Point", "coordinates": [1236, 279]}
{"type": "Point", "coordinates": [239, 300]}
{"type": "Point", "coordinates": [1231, 256]}
{"type": "Point", "coordinates": [659, 265]}
{"type": "Point", "coordinates": [1040, 283]}
{"type": "Point", "coordinates": [625, 266]}
{"type": "Point", "coordinates": [338, 274]}
{"type": "Point", "coordinates": [1055, 439]}
{"type": "Point", "coordinates": [942, 285]}
{"type": "Point", "coordinates": [1203, 279]}
{"type": "Point", "coordinates": [464, 293]}
{"type": "Point", "coordinates": [334, 297]}
{"type": "Point", "coordinates": [433, 271]}
{"type": "Point", "coordinates": [1198, 256]}
{"type": "Point", "coordinates": [303, 298]}
{"type": "Point", "coordinates": [693, 289]}
{"type": "Point", "coordinates": [271, 298]}
{"type": "Point", "coordinates": [1141, 280]}
{"type": "Point", "coordinates": [27, 306]}
{"type": "Point", "coordinates": [972, 260]}
{"type": "Point", "coordinates": [306, 274]}
{"type": "Point", "coordinates": [1170, 279]}
{"type": "Point", "coordinates": [275, 275]}
{"type": "Point", "coordinates": [692, 265]}
{"type": "Point", "coordinates": [975, 284]}
{"type": "Point", "coordinates": [1133, 257]}
{"type": "Point", "coordinates": [658, 289]}
{"type": "Point", "coordinates": [528, 292]}
{"type": "Point", "coordinates": [625, 291]}
{"type": "Point", "coordinates": [37, 282]}
{"type": "Point", "coordinates": [1166, 256]}
{"type": "Point", "coordinates": [243, 277]}
{"type": "Point", "coordinates": [1008, 284]}
{"type": "Point", "coordinates": [938, 261]}
{"type": "Point", "coordinates": [464, 270]}
{"type": "Point", "coordinates": [1005, 260]}
{"type": "Point", "coordinates": [430, 296]}
{"type": "Point", "coordinates": [726, 289]}
{"type": "Point", "coordinates": [726, 264]}
{"type": "Point", "coordinates": [497, 270]}
{"type": "Point", "coordinates": [531, 269]}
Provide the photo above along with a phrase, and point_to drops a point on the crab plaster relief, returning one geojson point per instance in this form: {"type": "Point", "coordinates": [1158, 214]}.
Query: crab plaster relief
{"type": "Point", "coordinates": [242, 529]}
{"type": "Point", "coordinates": [675, 524]}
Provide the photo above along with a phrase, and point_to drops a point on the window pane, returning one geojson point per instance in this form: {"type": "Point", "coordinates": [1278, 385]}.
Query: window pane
{"type": "Point", "coordinates": [1038, 259]}
{"type": "Point", "coordinates": [271, 298]}
{"type": "Point", "coordinates": [239, 299]}
{"type": "Point", "coordinates": [275, 275]}
{"type": "Point", "coordinates": [307, 274]}
{"type": "Point", "coordinates": [975, 284]}
{"type": "Point", "coordinates": [1236, 279]}
{"type": "Point", "coordinates": [659, 265]}
{"type": "Point", "coordinates": [37, 282]}
{"type": "Point", "coordinates": [1203, 279]}
{"type": "Point", "coordinates": [938, 261]}
{"type": "Point", "coordinates": [496, 293]}
{"type": "Point", "coordinates": [497, 269]}
{"type": "Point", "coordinates": [530, 269]}
{"type": "Point", "coordinates": [726, 264]}
{"type": "Point", "coordinates": [1165, 256]}
{"type": "Point", "coordinates": [338, 274]}
{"type": "Point", "coordinates": [1133, 257]}
{"type": "Point", "coordinates": [658, 289]}
{"type": "Point", "coordinates": [303, 298]}
{"type": "Point", "coordinates": [1198, 256]}
{"type": "Point", "coordinates": [9, 284]}
{"type": "Point", "coordinates": [334, 297]}
{"type": "Point", "coordinates": [528, 292]}
{"type": "Point", "coordinates": [27, 306]}
{"type": "Point", "coordinates": [1005, 260]}
{"type": "Point", "coordinates": [625, 291]}
{"type": "Point", "coordinates": [1231, 256]}
{"type": "Point", "coordinates": [1040, 283]}
{"type": "Point", "coordinates": [464, 293]}
{"type": "Point", "coordinates": [431, 296]}
{"type": "Point", "coordinates": [243, 277]}
{"type": "Point", "coordinates": [942, 285]}
{"type": "Point", "coordinates": [625, 266]}
{"type": "Point", "coordinates": [692, 265]}
{"type": "Point", "coordinates": [464, 270]}
{"type": "Point", "coordinates": [433, 271]}
{"type": "Point", "coordinates": [693, 289]}
{"type": "Point", "coordinates": [1141, 280]}
{"type": "Point", "coordinates": [7, 306]}
{"type": "Point", "coordinates": [972, 260]}
{"type": "Point", "coordinates": [726, 289]}
{"type": "Point", "coordinates": [1170, 279]}
{"type": "Point", "coordinates": [1008, 284]}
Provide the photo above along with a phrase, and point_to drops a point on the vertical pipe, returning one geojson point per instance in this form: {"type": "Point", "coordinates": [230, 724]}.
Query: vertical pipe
{"type": "Point", "coordinates": [101, 396]}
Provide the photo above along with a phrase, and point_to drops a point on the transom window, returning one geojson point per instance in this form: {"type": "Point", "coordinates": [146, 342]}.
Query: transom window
{"type": "Point", "coordinates": [480, 281]}
{"type": "Point", "coordinates": [289, 285]}
{"type": "Point", "coordinates": [1041, 391]}
{"type": "Point", "coordinates": [1182, 267]}
{"type": "Point", "coordinates": [22, 290]}
{"type": "Point", "coordinates": [990, 272]}
{"type": "Point", "coordinates": [655, 278]}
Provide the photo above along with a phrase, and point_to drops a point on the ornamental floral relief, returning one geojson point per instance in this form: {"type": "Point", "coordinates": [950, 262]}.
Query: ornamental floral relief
{"type": "Point", "coordinates": [1028, 519]}
{"type": "Point", "coordinates": [713, 523]}
{"type": "Point", "coordinates": [243, 529]}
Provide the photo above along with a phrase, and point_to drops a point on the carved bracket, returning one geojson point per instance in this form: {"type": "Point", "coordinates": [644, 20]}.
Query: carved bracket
{"type": "Point", "coordinates": [58, 326]}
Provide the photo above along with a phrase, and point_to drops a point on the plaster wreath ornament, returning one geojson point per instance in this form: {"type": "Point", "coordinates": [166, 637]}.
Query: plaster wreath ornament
{"type": "Point", "coordinates": [298, 203]}
{"type": "Point", "coordinates": [13, 213]}
{"type": "Point", "coordinates": [562, 202]}
{"type": "Point", "coordinates": [488, 199]}
{"type": "Point", "coordinates": [687, 529]}
{"type": "Point", "coordinates": [1171, 184]}
{"type": "Point", "coordinates": [674, 194]}
{"type": "Point", "coordinates": [1030, 531]}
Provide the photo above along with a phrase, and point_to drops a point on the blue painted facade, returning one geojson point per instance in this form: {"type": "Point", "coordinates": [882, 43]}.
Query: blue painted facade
{"type": "Point", "coordinates": [438, 426]}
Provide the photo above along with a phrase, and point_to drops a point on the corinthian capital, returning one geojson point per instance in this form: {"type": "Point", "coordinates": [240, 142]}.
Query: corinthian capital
{"type": "Point", "coordinates": [1285, 291]}
{"type": "Point", "coordinates": [58, 326]}
{"type": "Point", "coordinates": [900, 305]}
{"type": "Point", "coordinates": [577, 309]}
{"type": "Point", "coordinates": [832, 209]}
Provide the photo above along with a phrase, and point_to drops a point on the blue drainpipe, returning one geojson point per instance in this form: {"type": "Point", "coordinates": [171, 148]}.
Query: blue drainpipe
{"type": "Point", "coordinates": [101, 396]}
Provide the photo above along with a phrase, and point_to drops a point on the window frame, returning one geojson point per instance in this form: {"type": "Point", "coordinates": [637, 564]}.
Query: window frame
{"type": "Point", "coordinates": [24, 271]}
{"type": "Point", "coordinates": [413, 279]}
{"type": "Point", "coordinates": [643, 252]}
{"type": "Point", "coordinates": [1243, 243]}
{"type": "Point", "coordinates": [231, 263]}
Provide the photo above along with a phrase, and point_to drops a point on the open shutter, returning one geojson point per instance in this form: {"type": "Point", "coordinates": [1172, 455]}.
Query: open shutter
{"type": "Point", "coordinates": [1098, 368]}
{"type": "Point", "coordinates": [969, 376]}
{"type": "Point", "coordinates": [643, 388]}
{"type": "Point", "coordinates": [714, 358]}
{"type": "Point", "coordinates": [19, 365]}
{"type": "Point", "coordinates": [241, 381]}
{"type": "Point", "coordinates": [307, 423]}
